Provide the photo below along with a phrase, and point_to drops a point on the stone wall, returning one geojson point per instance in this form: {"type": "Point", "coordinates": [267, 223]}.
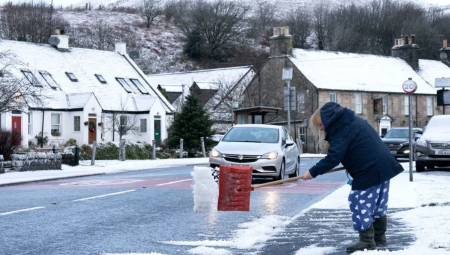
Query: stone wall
{"type": "Point", "coordinates": [33, 161]}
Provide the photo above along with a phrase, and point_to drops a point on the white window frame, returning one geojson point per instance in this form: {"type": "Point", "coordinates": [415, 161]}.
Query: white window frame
{"type": "Point", "coordinates": [79, 124]}
{"type": "Point", "coordinates": [31, 78]}
{"type": "Point", "coordinates": [384, 100]}
{"type": "Point", "coordinates": [430, 106]}
{"type": "Point", "coordinates": [406, 108]}
{"type": "Point", "coordinates": [141, 126]}
{"type": "Point", "coordinates": [49, 79]}
{"type": "Point", "coordinates": [55, 125]}
{"type": "Point", "coordinates": [333, 97]}
{"type": "Point", "coordinates": [358, 103]}
{"type": "Point", "coordinates": [29, 124]}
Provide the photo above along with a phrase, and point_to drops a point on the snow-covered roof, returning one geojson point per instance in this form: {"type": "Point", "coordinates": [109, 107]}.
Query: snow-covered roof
{"type": "Point", "coordinates": [85, 65]}
{"type": "Point", "coordinates": [207, 85]}
{"type": "Point", "coordinates": [429, 70]}
{"type": "Point", "coordinates": [357, 72]}
{"type": "Point", "coordinates": [202, 76]}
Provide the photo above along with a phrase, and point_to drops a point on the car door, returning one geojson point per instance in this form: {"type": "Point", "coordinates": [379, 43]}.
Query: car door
{"type": "Point", "coordinates": [288, 151]}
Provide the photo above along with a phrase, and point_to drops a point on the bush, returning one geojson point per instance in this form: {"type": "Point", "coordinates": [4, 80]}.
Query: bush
{"type": "Point", "coordinates": [70, 142]}
{"type": "Point", "coordinates": [41, 140]}
{"type": "Point", "coordinates": [110, 151]}
{"type": "Point", "coordinates": [9, 142]}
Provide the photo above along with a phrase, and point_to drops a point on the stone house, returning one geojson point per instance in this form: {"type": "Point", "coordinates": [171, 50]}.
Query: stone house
{"type": "Point", "coordinates": [83, 89]}
{"type": "Point", "coordinates": [370, 85]}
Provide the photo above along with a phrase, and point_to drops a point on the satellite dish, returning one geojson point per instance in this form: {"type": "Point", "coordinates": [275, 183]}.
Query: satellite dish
{"type": "Point", "coordinates": [134, 54]}
{"type": "Point", "coordinates": [443, 55]}
{"type": "Point", "coordinates": [54, 41]}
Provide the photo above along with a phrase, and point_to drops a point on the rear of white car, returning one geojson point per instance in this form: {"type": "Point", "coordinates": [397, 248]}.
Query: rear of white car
{"type": "Point", "coordinates": [269, 149]}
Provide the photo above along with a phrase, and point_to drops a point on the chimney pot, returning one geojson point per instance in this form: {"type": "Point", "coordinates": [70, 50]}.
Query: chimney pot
{"type": "Point", "coordinates": [121, 48]}
{"type": "Point", "coordinates": [406, 40]}
{"type": "Point", "coordinates": [413, 38]}
{"type": "Point", "coordinates": [444, 43]}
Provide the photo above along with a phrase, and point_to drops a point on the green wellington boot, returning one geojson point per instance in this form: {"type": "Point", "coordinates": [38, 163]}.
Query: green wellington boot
{"type": "Point", "coordinates": [366, 240]}
{"type": "Point", "coordinates": [380, 226]}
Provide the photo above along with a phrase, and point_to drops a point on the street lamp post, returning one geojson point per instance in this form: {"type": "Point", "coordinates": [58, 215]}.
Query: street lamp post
{"type": "Point", "coordinates": [287, 76]}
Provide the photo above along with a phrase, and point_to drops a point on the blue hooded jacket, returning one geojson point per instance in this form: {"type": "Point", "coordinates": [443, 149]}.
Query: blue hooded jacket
{"type": "Point", "coordinates": [355, 144]}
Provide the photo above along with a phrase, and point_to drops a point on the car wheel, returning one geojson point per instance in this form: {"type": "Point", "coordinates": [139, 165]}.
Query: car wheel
{"type": "Point", "coordinates": [420, 166]}
{"type": "Point", "coordinates": [297, 169]}
{"type": "Point", "coordinates": [430, 166]}
{"type": "Point", "coordinates": [282, 172]}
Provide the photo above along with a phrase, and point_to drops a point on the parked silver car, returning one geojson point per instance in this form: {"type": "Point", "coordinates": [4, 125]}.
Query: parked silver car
{"type": "Point", "coordinates": [269, 149]}
{"type": "Point", "coordinates": [433, 147]}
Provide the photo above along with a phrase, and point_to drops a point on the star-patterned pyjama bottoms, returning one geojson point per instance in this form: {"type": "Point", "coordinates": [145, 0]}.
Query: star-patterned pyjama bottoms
{"type": "Point", "coordinates": [367, 205]}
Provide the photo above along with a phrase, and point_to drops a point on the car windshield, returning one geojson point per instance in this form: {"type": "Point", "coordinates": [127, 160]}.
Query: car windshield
{"type": "Point", "coordinates": [252, 134]}
{"type": "Point", "coordinates": [397, 133]}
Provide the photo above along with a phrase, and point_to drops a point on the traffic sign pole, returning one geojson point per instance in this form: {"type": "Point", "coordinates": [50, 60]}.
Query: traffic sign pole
{"type": "Point", "coordinates": [409, 86]}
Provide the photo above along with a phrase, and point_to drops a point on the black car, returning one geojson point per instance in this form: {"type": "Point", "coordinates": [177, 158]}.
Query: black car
{"type": "Point", "coordinates": [397, 140]}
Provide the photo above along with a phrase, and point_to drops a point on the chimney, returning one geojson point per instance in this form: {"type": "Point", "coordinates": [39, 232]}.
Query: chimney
{"type": "Point", "coordinates": [121, 48]}
{"type": "Point", "coordinates": [59, 39]}
{"type": "Point", "coordinates": [407, 50]}
{"type": "Point", "coordinates": [280, 42]}
{"type": "Point", "coordinates": [444, 53]}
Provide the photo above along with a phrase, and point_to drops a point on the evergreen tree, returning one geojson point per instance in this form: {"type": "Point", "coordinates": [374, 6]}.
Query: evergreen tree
{"type": "Point", "coordinates": [190, 124]}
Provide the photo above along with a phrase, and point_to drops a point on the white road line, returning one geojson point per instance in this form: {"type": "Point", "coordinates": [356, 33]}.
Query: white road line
{"type": "Point", "coordinates": [106, 195]}
{"type": "Point", "coordinates": [167, 183]}
{"type": "Point", "coordinates": [23, 210]}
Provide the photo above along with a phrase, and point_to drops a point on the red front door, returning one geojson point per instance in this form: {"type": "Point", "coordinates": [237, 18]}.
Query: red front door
{"type": "Point", "coordinates": [17, 124]}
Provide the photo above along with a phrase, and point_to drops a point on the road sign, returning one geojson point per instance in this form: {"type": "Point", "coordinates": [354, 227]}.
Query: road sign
{"type": "Point", "coordinates": [441, 82]}
{"type": "Point", "coordinates": [290, 95]}
{"type": "Point", "coordinates": [409, 86]}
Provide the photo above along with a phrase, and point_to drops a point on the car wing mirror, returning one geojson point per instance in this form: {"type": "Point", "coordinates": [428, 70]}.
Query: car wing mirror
{"type": "Point", "coordinates": [289, 143]}
{"type": "Point", "coordinates": [382, 135]}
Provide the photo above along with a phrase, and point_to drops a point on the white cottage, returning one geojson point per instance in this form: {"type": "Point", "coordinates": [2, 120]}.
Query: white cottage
{"type": "Point", "coordinates": [83, 88]}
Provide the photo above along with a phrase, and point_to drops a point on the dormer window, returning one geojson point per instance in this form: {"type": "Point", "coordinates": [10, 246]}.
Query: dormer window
{"type": "Point", "coordinates": [139, 85]}
{"type": "Point", "coordinates": [71, 76]}
{"type": "Point", "coordinates": [124, 84]}
{"type": "Point", "coordinates": [100, 78]}
{"type": "Point", "coordinates": [49, 79]}
{"type": "Point", "coordinates": [31, 78]}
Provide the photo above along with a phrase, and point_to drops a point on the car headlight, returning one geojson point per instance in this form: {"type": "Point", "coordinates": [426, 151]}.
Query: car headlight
{"type": "Point", "coordinates": [215, 153]}
{"type": "Point", "coordinates": [270, 155]}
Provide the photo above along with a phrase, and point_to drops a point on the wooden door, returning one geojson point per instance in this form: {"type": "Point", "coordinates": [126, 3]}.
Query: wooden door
{"type": "Point", "coordinates": [17, 126]}
{"type": "Point", "coordinates": [92, 130]}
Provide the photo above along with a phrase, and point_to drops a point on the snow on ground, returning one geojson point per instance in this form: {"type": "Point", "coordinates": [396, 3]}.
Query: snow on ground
{"type": "Point", "coordinates": [425, 198]}
{"type": "Point", "coordinates": [205, 189]}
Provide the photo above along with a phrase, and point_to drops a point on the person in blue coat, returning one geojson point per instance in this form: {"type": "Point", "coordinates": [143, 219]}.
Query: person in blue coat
{"type": "Point", "coordinates": [354, 143]}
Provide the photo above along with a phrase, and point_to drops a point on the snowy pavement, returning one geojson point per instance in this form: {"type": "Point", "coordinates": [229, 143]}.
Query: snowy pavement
{"type": "Point", "coordinates": [419, 214]}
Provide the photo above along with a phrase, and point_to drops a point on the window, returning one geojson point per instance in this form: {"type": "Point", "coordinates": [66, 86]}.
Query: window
{"type": "Point", "coordinates": [429, 106]}
{"type": "Point", "coordinates": [139, 85]}
{"type": "Point", "coordinates": [143, 127]}
{"type": "Point", "coordinates": [124, 84]}
{"type": "Point", "coordinates": [407, 105]}
{"type": "Point", "coordinates": [301, 102]}
{"type": "Point", "coordinates": [56, 124]}
{"type": "Point", "coordinates": [358, 103]}
{"type": "Point", "coordinates": [71, 76]}
{"type": "Point", "coordinates": [49, 79]}
{"type": "Point", "coordinates": [29, 123]}
{"type": "Point", "coordinates": [123, 120]}
{"type": "Point", "coordinates": [258, 119]}
{"type": "Point", "coordinates": [31, 78]}
{"type": "Point", "coordinates": [333, 97]}
{"type": "Point", "coordinates": [76, 123]}
{"type": "Point", "coordinates": [385, 99]}
{"type": "Point", "coordinates": [240, 118]}
{"type": "Point", "coordinates": [377, 106]}
{"type": "Point", "coordinates": [100, 78]}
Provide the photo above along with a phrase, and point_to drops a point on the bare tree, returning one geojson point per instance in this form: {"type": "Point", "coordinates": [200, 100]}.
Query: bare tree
{"type": "Point", "coordinates": [210, 27]}
{"type": "Point", "coordinates": [122, 122]}
{"type": "Point", "coordinates": [300, 27]}
{"type": "Point", "coordinates": [263, 18]}
{"type": "Point", "coordinates": [150, 9]}
{"type": "Point", "coordinates": [320, 22]}
{"type": "Point", "coordinates": [16, 93]}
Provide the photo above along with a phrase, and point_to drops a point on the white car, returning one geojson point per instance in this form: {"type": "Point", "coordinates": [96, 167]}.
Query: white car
{"type": "Point", "coordinates": [269, 149]}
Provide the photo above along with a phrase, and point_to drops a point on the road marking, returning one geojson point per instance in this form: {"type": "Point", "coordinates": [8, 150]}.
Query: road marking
{"type": "Point", "coordinates": [23, 210]}
{"type": "Point", "coordinates": [106, 195]}
{"type": "Point", "coordinates": [167, 183]}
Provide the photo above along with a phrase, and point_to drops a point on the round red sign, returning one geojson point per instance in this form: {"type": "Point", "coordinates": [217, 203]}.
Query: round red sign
{"type": "Point", "coordinates": [409, 86]}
